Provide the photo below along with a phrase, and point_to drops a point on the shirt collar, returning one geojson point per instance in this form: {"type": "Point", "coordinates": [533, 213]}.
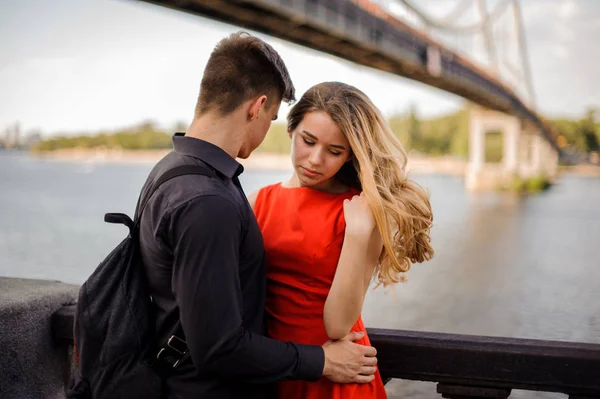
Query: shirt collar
{"type": "Point", "coordinates": [208, 153]}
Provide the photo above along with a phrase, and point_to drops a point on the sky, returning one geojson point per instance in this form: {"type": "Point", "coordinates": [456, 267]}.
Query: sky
{"type": "Point", "coordinates": [70, 66]}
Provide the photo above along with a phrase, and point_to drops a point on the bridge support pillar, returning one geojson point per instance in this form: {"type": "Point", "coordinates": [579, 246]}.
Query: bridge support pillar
{"type": "Point", "coordinates": [481, 175]}
{"type": "Point", "coordinates": [525, 153]}
{"type": "Point", "coordinates": [536, 153]}
{"type": "Point", "coordinates": [549, 160]}
{"type": "Point", "coordinates": [537, 158]}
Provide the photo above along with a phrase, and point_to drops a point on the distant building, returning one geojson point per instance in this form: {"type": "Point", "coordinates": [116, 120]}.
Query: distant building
{"type": "Point", "coordinates": [32, 138]}
{"type": "Point", "coordinates": [7, 139]}
{"type": "Point", "coordinates": [14, 139]}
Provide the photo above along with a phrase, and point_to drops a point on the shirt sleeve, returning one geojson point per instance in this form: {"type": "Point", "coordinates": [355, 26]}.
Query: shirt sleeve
{"type": "Point", "coordinates": [206, 236]}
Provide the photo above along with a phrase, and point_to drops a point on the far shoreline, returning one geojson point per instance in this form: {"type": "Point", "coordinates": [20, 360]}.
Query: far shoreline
{"type": "Point", "coordinates": [418, 164]}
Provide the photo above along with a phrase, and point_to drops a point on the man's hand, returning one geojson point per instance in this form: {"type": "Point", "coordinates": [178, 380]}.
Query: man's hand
{"type": "Point", "coordinates": [347, 362]}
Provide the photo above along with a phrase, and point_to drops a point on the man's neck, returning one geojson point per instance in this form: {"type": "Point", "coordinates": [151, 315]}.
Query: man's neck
{"type": "Point", "coordinates": [224, 132]}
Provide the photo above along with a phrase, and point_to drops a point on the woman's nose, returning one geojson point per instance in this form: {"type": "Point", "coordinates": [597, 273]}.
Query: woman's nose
{"type": "Point", "coordinates": [315, 157]}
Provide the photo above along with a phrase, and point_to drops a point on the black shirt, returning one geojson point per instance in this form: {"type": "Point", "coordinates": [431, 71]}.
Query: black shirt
{"type": "Point", "coordinates": [205, 263]}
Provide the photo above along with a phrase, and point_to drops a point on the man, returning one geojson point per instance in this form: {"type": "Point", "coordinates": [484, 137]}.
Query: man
{"type": "Point", "coordinates": [203, 251]}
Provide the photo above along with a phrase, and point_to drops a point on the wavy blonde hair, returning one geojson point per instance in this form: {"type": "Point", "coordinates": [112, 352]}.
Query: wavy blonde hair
{"type": "Point", "coordinates": [400, 206]}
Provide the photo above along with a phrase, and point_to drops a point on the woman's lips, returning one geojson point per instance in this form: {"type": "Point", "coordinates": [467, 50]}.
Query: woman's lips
{"type": "Point", "coordinates": [309, 172]}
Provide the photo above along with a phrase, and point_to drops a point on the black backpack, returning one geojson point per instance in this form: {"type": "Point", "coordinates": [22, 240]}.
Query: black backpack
{"type": "Point", "coordinates": [114, 329]}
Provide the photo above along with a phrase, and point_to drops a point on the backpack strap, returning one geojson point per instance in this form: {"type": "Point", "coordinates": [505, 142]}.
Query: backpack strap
{"type": "Point", "coordinates": [168, 175]}
{"type": "Point", "coordinates": [122, 218]}
{"type": "Point", "coordinates": [174, 351]}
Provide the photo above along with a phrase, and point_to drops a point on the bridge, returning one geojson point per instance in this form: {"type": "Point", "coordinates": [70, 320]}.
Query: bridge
{"type": "Point", "coordinates": [366, 33]}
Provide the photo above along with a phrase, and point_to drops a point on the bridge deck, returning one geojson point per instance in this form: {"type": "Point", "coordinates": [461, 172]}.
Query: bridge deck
{"type": "Point", "coordinates": [363, 33]}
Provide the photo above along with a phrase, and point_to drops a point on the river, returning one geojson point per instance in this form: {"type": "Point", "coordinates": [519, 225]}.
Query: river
{"type": "Point", "coordinates": [506, 266]}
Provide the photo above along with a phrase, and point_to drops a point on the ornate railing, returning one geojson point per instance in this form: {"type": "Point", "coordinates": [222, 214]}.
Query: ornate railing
{"type": "Point", "coordinates": [465, 366]}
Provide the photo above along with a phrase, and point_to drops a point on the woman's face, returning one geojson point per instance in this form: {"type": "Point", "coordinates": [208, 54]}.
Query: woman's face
{"type": "Point", "coordinates": [319, 150]}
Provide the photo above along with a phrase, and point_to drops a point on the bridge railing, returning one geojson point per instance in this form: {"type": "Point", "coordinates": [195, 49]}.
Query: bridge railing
{"type": "Point", "coordinates": [464, 366]}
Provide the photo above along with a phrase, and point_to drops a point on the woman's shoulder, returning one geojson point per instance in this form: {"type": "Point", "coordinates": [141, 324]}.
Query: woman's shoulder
{"type": "Point", "coordinates": [260, 193]}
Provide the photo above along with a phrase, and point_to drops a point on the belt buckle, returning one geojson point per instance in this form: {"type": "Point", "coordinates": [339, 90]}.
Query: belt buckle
{"type": "Point", "coordinates": [175, 349]}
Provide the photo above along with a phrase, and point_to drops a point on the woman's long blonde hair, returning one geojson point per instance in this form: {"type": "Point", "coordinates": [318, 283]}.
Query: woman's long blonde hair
{"type": "Point", "coordinates": [400, 206]}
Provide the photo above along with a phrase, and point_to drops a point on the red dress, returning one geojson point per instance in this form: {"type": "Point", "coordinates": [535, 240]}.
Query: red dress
{"type": "Point", "coordinates": [303, 232]}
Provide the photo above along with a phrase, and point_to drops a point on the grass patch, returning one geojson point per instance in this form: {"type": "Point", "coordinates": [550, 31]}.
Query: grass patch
{"type": "Point", "coordinates": [532, 185]}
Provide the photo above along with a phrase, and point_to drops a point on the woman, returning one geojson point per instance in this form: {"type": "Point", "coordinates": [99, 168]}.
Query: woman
{"type": "Point", "coordinates": [347, 214]}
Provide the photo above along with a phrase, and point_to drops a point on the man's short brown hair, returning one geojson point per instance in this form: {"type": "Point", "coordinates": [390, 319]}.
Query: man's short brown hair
{"type": "Point", "coordinates": [241, 67]}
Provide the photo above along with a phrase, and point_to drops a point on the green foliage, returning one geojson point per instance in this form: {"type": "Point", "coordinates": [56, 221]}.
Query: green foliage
{"type": "Point", "coordinates": [518, 184]}
{"type": "Point", "coordinates": [537, 184]}
{"type": "Point", "coordinates": [530, 185]}
{"type": "Point", "coordinates": [494, 147]}
{"type": "Point", "coordinates": [447, 134]}
{"type": "Point", "coordinates": [415, 138]}
{"type": "Point", "coordinates": [143, 136]}
{"type": "Point", "coordinates": [276, 140]}
{"type": "Point", "coordinates": [444, 135]}
{"type": "Point", "coordinates": [583, 134]}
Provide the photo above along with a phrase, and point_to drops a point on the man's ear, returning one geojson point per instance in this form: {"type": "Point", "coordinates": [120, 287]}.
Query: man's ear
{"type": "Point", "coordinates": [256, 106]}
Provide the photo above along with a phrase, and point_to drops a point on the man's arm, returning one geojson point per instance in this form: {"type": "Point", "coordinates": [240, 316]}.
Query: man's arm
{"type": "Point", "coordinates": [205, 234]}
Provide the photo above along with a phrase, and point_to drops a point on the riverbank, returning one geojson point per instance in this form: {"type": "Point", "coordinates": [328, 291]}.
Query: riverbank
{"type": "Point", "coordinates": [584, 170]}
{"type": "Point", "coordinates": [417, 164]}
{"type": "Point", "coordinates": [102, 155]}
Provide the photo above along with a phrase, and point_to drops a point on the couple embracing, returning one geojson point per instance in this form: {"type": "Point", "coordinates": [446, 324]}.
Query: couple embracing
{"type": "Point", "coordinates": [268, 288]}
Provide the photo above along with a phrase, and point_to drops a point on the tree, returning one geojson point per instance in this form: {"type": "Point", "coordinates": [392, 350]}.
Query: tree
{"type": "Point", "coordinates": [181, 126]}
{"type": "Point", "coordinates": [414, 129]}
{"type": "Point", "coordinates": [587, 130]}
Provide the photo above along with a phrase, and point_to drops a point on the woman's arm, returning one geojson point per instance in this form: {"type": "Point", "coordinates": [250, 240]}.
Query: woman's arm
{"type": "Point", "coordinates": [360, 254]}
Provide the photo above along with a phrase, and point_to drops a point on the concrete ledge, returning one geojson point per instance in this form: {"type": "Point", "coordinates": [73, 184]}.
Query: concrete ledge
{"type": "Point", "coordinates": [32, 365]}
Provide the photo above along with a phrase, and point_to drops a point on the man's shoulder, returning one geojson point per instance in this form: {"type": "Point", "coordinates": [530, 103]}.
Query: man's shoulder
{"type": "Point", "coordinates": [196, 189]}
{"type": "Point", "coordinates": [184, 189]}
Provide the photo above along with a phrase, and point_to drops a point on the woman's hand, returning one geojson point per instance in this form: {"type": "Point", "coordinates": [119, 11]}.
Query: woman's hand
{"type": "Point", "coordinates": [359, 217]}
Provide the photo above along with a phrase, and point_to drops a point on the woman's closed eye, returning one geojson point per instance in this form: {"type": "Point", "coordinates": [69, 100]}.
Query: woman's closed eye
{"type": "Point", "coordinates": [311, 143]}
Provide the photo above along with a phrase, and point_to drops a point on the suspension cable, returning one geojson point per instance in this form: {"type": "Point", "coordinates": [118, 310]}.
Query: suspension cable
{"type": "Point", "coordinates": [457, 12]}
{"type": "Point", "coordinates": [466, 29]}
